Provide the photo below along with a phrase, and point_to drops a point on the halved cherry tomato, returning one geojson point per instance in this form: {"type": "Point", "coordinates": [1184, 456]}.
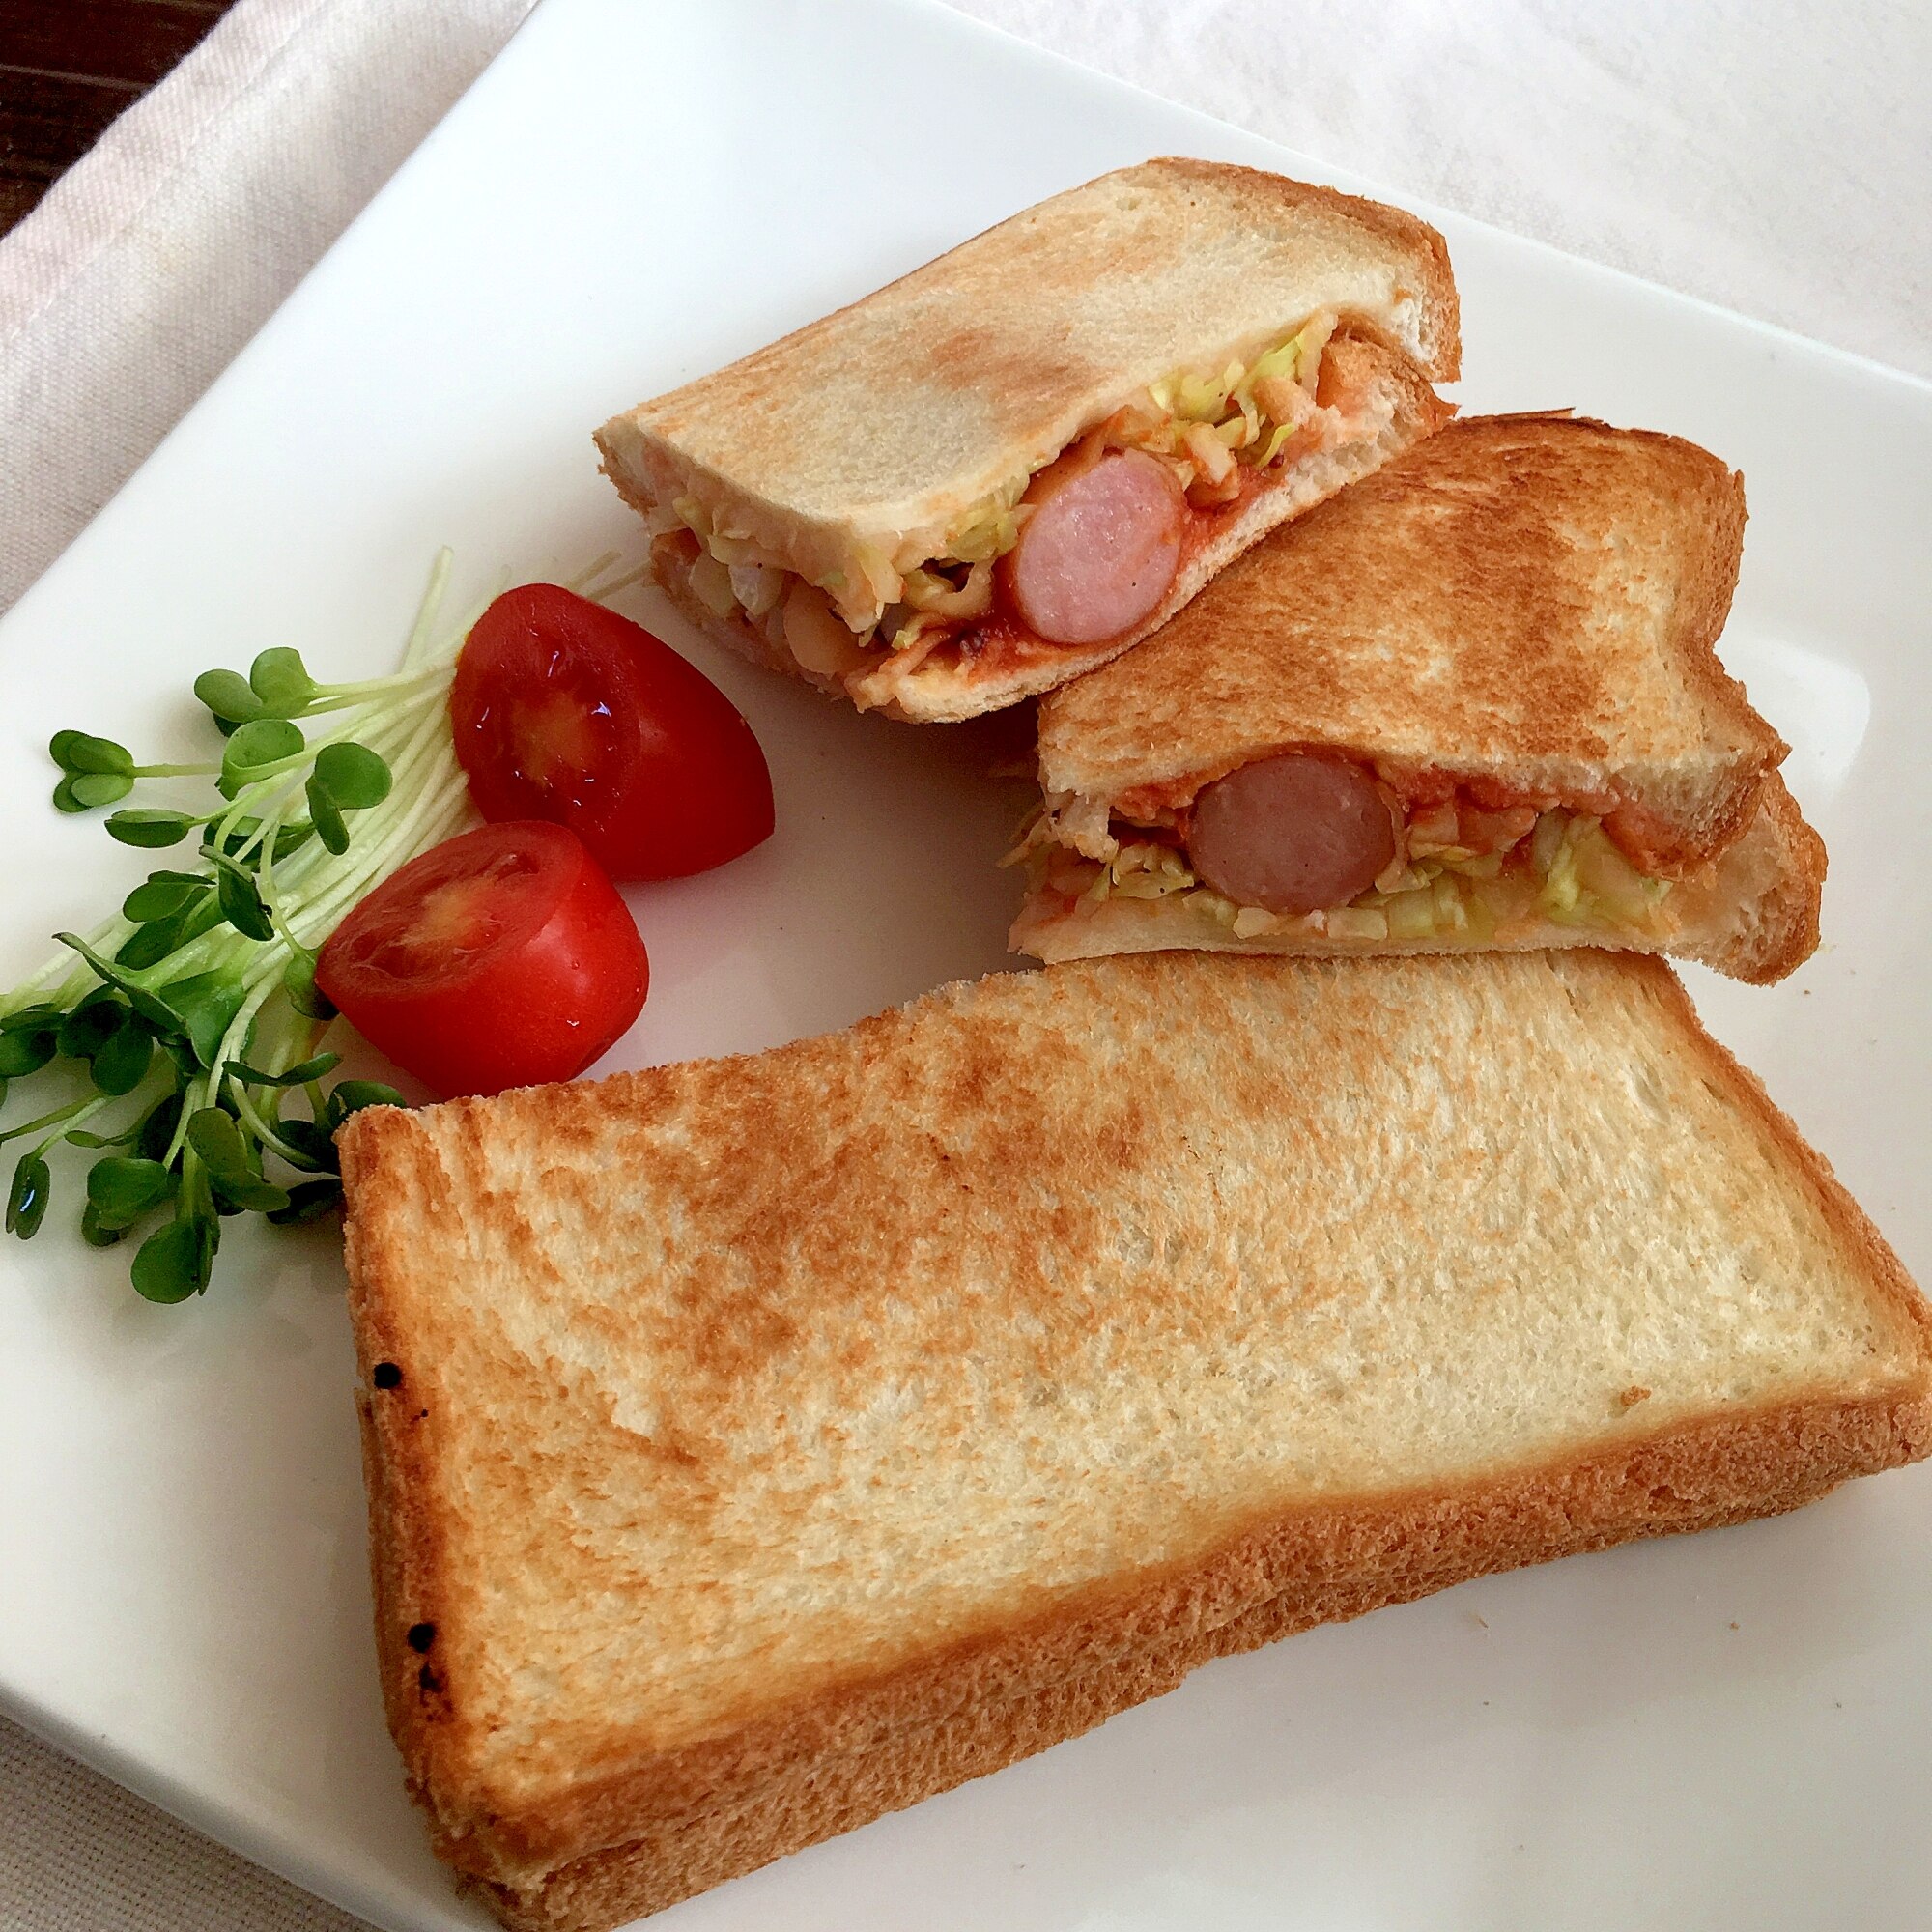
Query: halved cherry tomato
{"type": "Point", "coordinates": [499, 959]}
{"type": "Point", "coordinates": [566, 711]}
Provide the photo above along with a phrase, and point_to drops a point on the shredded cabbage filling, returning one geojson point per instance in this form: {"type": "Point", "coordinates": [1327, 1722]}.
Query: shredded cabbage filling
{"type": "Point", "coordinates": [1563, 869]}
{"type": "Point", "coordinates": [1208, 429]}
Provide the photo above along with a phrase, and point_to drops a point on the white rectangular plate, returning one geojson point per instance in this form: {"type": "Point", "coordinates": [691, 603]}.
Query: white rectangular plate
{"type": "Point", "coordinates": [1734, 1730]}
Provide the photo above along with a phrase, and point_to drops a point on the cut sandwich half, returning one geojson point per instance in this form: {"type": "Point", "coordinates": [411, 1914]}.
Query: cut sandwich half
{"type": "Point", "coordinates": [1472, 702]}
{"type": "Point", "coordinates": [1012, 463]}
{"type": "Point", "coordinates": [757, 1445]}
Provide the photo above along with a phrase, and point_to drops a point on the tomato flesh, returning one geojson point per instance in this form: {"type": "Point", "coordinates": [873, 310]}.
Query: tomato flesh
{"type": "Point", "coordinates": [566, 711]}
{"type": "Point", "coordinates": [502, 957]}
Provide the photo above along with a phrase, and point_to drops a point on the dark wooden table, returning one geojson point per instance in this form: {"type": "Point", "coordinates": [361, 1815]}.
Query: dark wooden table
{"type": "Point", "coordinates": [67, 67]}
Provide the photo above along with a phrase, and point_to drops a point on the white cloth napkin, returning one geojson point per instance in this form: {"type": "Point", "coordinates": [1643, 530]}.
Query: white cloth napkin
{"type": "Point", "coordinates": [132, 286]}
{"type": "Point", "coordinates": [1774, 158]}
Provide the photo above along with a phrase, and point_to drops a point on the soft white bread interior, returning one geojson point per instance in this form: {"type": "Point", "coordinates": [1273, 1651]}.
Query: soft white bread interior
{"type": "Point", "coordinates": [872, 431]}
{"type": "Point", "coordinates": [757, 1445]}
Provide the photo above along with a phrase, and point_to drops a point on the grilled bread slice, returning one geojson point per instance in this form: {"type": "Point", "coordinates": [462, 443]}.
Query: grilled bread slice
{"type": "Point", "coordinates": [1513, 621]}
{"type": "Point", "coordinates": [839, 468]}
{"type": "Point", "coordinates": [757, 1445]}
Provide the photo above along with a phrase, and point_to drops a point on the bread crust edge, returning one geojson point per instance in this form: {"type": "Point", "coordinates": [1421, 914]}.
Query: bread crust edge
{"type": "Point", "coordinates": [1326, 1563]}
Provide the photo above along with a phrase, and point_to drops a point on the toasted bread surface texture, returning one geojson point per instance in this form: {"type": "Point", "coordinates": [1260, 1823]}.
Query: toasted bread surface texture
{"type": "Point", "coordinates": [883, 423]}
{"type": "Point", "coordinates": [757, 1444]}
{"type": "Point", "coordinates": [1532, 600]}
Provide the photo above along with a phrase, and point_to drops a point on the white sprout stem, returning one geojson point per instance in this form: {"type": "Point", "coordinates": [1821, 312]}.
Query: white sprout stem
{"type": "Point", "coordinates": [417, 646]}
{"type": "Point", "coordinates": [281, 782]}
{"type": "Point", "coordinates": [428, 658]}
{"type": "Point", "coordinates": [424, 826]}
{"type": "Point", "coordinates": [592, 571]}
{"type": "Point", "coordinates": [258, 1122]}
{"type": "Point", "coordinates": [106, 937]}
{"type": "Point", "coordinates": [603, 593]}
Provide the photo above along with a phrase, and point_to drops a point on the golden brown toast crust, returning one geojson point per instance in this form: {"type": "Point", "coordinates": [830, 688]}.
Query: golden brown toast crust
{"type": "Point", "coordinates": [1327, 1565]}
{"type": "Point", "coordinates": [879, 426]}
{"type": "Point", "coordinates": [1532, 600]}
{"type": "Point", "coordinates": [643, 1335]}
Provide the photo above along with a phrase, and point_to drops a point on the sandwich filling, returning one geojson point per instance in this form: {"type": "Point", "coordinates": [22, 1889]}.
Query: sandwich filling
{"type": "Point", "coordinates": [1078, 552]}
{"type": "Point", "coordinates": [1311, 845]}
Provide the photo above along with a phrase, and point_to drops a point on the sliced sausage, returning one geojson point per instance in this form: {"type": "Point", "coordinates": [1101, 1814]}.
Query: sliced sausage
{"type": "Point", "coordinates": [1099, 552]}
{"type": "Point", "coordinates": [1292, 834]}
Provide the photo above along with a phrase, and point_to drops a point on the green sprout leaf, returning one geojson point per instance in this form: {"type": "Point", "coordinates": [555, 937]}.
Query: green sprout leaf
{"type": "Point", "coordinates": [239, 841]}
{"type": "Point", "coordinates": [176, 1261]}
{"type": "Point", "coordinates": [228, 696]}
{"type": "Point", "coordinates": [310, 1146]}
{"type": "Point", "coordinates": [308, 1201]}
{"type": "Point", "coordinates": [354, 777]}
{"type": "Point", "coordinates": [162, 896]}
{"type": "Point", "coordinates": [230, 844]}
{"type": "Point", "coordinates": [281, 683]}
{"type": "Point", "coordinates": [91, 1024]}
{"type": "Point", "coordinates": [27, 1198]}
{"type": "Point", "coordinates": [156, 1011]}
{"type": "Point", "coordinates": [149, 828]}
{"type": "Point", "coordinates": [218, 1143]}
{"type": "Point", "coordinates": [296, 1077]}
{"type": "Point", "coordinates": [120, 1190]}
{"type": "Point", "coordinates": [351, 1096]}
{"type": "Point", "coordinates": [241, 904]}
{"type": "Point", "coordinates": [78, 754]}
{"type": "Point", "coordinates": [157, 1131]}
{"type": "Point", "coordinates": [326, 816]}
{"type": "Point", "coordinates": [96, 1233]}
{"type": "Point", "coordinates": [89, 789]}
{"type": "Point", "coordinates": [250, 1195]}
{"type": "Point", "coordinates": [204, 1007]}
{"type": "Point", "coordinates": [305, 995]}
{"type": "Point", "coordinates": [211, 1132]}
{"type": "Point", "coordinates": [265, 742]}
{"type": "Point", "coordinates": [25, 1050]}
{"type": "Point", "coordinates": [122, 1059]}
{"type": "Point", "coordinates": [149, 945]}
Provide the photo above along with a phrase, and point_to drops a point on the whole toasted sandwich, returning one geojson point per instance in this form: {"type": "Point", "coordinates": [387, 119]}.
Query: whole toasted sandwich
{"type": "Point", "coordinates": [1010, 464]}
{"type": "Point", "coordinates": [757, 1445]}
{"type": "Point", "coordinates": [1472, 702]}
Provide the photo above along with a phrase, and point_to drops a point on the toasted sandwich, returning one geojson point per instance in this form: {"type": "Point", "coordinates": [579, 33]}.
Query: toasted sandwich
{"type": "Point", "coordinates": [757, 1445]}
{"type": "Point", "coordinates": [1010, 464]}
{"type": "Point", "coordinates": [1473, 701]}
